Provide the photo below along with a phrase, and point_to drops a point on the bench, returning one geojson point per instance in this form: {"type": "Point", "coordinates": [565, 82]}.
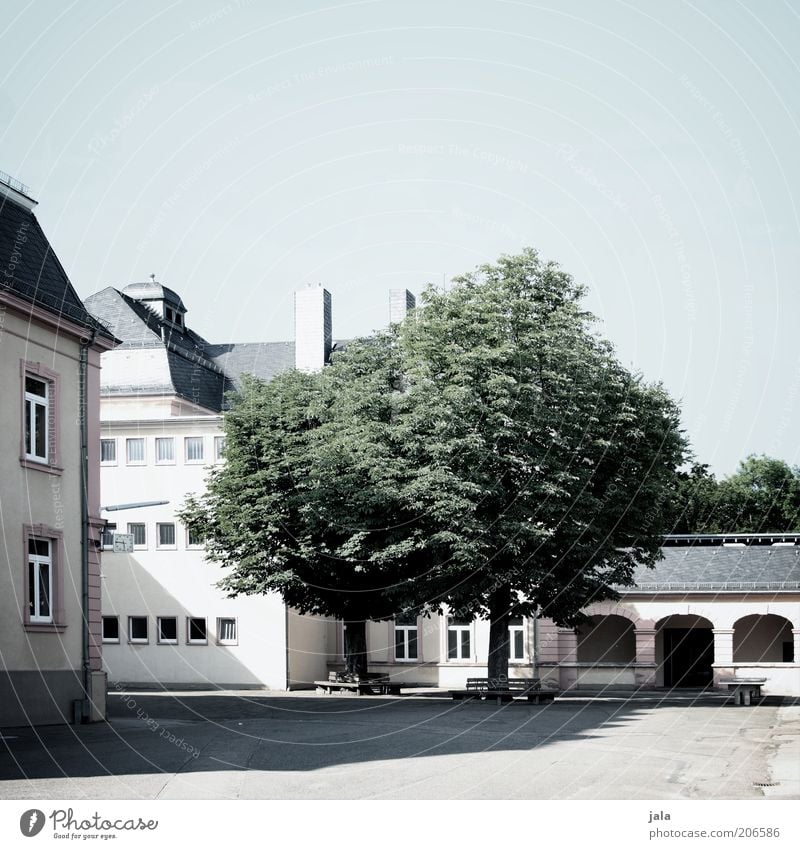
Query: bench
{"type": "Point", "coordinates": [370, 684]}
{"type": "Point", "coordinates": [744, 690]}
{"type": "Point", "coordinates": [504, 690]}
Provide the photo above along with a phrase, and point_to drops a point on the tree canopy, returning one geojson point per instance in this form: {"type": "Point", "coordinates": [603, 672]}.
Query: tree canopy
{"type": "Point", "coordinates": [761, 496]}
{"type": "Point", "coordinates": [490, 453]}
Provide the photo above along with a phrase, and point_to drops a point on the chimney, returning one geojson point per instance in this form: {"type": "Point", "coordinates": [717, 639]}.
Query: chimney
{"type": "Point", "coordinates": [313, 328]}
{"type": "Point", "coordinates": [400, 302]}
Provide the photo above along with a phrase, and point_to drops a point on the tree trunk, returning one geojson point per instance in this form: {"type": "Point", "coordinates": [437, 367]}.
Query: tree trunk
{"type": "Point", "coordinates": [355, 648]}
{"type": "Point", "coordinates": [499, 615]}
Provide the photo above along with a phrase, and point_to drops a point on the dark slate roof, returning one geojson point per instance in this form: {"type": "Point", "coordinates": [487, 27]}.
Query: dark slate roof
{"type": "Point", "coordinates": [152, 290]}
{"type": "Point", "coordinates": [261, 359]}
{"type": "Point", "coordinates": [32, 271]}
{"type": "Point", "coordinates": [722, 567]}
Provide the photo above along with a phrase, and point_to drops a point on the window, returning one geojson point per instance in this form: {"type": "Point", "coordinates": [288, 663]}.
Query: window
{"type": "Point", "coordinates": [405, 638]}
{"type": "Point", "coordinates": [194, 449]}
{"type": "Point", "coordinates": [459, 639]}
{"type": "Point", "coordinates": [110, 629]}
{"type": "Point", "coordinates": [36, 419]}
{"type": "Point", "coordinates": [219, 447]}
{"type": "Point", "coordinates": [194, 539]}
{"type": "Point", "coordinates": [137, 629]}
{"type": "Point", "coordinates": [516, 639]}
{"type": "Point", "coordinates": [226, 632]}
{"type": "Point", "coordinates": [196, 633]}
{"type": "Point", "coordinates": [108, 452]}
{"type": "Point", "coordinates": [135, 451]}
{"type": "Point", "coordinates": [40, 580]}
{"type": "Point", "coordinates": [165, 450]}
{"type": "Point", "coordinates": [39, 406]}
{"type": "Point", "coordinates": [166, 535]}
{"type": "Point", "coordinates": [139, 534]}
{"type": "Point", "coordinates": [167, 630]}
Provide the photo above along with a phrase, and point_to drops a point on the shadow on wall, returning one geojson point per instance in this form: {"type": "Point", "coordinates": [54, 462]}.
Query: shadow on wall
{"type": "Point", "coordinates": [257, 660]}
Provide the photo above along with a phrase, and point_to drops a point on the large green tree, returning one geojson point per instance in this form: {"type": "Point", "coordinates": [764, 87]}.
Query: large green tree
{"type": "Point", "coordinates": [490, 453]}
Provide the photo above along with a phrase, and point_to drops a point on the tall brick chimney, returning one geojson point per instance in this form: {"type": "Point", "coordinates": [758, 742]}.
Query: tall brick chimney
{"type": "Point", "coordinates": [400, 302]}
{"type": "Point", "coordinates": [313, 328]}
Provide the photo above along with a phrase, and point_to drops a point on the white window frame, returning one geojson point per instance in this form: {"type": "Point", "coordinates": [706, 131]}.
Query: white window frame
{"type": "Point", "coordinates": [32, 403]}
{"type": "Point", "coordinates": [194, 461]}
{"type": "Point", "coordinates": [193, 546]}
{"type": "Point", "coordinates": [189, 640]}
{"type": "Point", "coordinates": [227, 641]}
{"type": "Point", "coordinates": [35, 563]}
{"type": "Point", "coordinates": [166, 546]}
{"type": "Point", "coordinates": [113, 441]}
{"type": "Point", "coordinates": [513, 630]}
{"type": "Point", "coordinates": [164, 439]}
{"type": "Point", "coordinates": [163, 641]}
{"type": "Point", "coordinates": [128, 441]}
{"type": "Point", "coordinates": [459, 627]}
{"type": "Point", "coordinates": [138, 641]}
{"type": "Point", "coordinates": [405, 628]}
{"type": "Point", "coordinates": [137, 546]}
{"type": "Point", "coordinates": [109, 640]}
{"type": "Point", "coordinates": [219, 449]}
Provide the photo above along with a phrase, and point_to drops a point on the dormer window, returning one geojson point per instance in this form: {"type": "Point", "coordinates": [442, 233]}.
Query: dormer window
{"type": "Point", "coordinates": [170, 315]}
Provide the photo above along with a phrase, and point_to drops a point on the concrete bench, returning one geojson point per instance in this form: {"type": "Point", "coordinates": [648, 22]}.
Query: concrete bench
{"type": "Point", "coordinates": [744, 690]}
{"type": "Point", "coordinates": [376, 685]}
{"type": "Point", "coordinates": [505, 690]}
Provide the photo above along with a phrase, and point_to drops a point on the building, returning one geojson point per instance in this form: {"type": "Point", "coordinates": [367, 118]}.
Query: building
{"type": "Point", "coordinates": [162, 399]}
{"type": "Point", "coordinates": [713, 607]}
{"type": "Point", "coordinates": [50, 349]}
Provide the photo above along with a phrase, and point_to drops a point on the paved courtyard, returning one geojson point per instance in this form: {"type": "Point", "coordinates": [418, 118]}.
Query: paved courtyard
{"type": "Point", "coordinates": [255, 745]}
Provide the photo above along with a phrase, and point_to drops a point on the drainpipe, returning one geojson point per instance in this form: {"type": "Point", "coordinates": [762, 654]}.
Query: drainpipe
{"type": "Point", "coordinates": [536, 643]}
{"type": "Point", "coordinates": [86, 705]}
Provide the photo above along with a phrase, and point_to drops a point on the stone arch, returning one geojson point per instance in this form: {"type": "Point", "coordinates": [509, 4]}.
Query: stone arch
{"type": "Point", "coordinates": [616, 609]}
{"type": "Point", "coordinates": [606, 638]}
{"type": "Point", "coordinates": [763, 638]}
{"type": "Point", "coordinates": [684, 650]}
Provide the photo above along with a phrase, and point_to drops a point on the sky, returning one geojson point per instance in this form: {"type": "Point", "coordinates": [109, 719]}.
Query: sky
{"type": "Point", "coordinates": [241, 150]}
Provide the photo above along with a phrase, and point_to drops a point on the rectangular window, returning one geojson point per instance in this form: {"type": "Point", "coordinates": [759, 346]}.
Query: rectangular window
{"type": "Point", "coordinates": [194, 539]}
{"type": "Point", "coordinates": [406, 638]}
{"type": "Point", "coordinates": [37, 435]}
{"type": "Point", "coordinates": [108, 452]}
{"type": "Point", "coordinates": [40, 580]}
{"type": "Point", "coordinates": [516, 638]}
{"type": "Point", "coordinates": [196, 633]}
{"type": "Point", "coordinates": [138, 529]}
{"type": "Point", "coordinates": [219, 447]}
{"type": "Point", "coordinates": [167, 630]}
{"type": "Point", "coordinates": [194, 449]}
{"type": "Point", "coordinates": [110, 629]}
{"type": "Point", "coordinates": [165, 450]}
{"type": "Point", "coordinates": [166, 535]}
{"type": "Point", "coordinates": [459, 640]}
{"type": "Point", "coordinates": [226, 632]}
{"type": "Point", "coordinates": [134, 451]}
{"type": "Point", "coordinates": [137, 629]}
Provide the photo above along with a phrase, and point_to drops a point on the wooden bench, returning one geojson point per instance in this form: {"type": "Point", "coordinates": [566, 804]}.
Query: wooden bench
{"type": "Point", "coordinates": [504, 690]}
{"type": "Point", "coordinates": [372, 684]}
{"type": "Point", "coordinates": [744, 690]}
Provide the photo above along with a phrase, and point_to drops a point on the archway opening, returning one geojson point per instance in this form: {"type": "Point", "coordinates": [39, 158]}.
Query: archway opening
{"type": "Point", "coordinates": [763, 639]}
{"type": "Point", "coordinates": [687, 650]}
{"type": "Point", "coordinates": [606, 639]}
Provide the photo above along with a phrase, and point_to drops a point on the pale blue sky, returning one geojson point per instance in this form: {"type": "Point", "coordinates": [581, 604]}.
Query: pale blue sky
{"type": "Point", "coordinates": [240, 150]}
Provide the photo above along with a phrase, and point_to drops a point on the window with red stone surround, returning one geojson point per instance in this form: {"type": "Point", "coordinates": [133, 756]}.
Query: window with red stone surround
{"type": "Point", "coordinates": [39, 402]}
{"type": "Point", "coordinates": [32, 617]}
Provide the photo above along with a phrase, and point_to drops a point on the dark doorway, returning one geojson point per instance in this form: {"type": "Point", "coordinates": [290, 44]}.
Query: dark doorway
{"type": "Point", "coordinates": [688, 656]}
